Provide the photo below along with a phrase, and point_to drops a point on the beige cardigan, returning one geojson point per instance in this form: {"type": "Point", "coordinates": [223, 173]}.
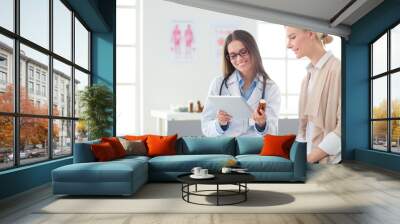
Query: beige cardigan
{"type": "Point", "coordinates": [323, 105]}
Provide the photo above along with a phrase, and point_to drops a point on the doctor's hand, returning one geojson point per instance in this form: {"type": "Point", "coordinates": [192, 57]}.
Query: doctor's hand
{"type": "Point", "coordinates": [259, 117]}
{"type": "Point", "coordinates": [223, 117]}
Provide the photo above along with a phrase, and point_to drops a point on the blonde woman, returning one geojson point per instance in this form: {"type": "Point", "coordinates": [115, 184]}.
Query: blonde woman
{"type": "Point", "coordinates": [320, 96]}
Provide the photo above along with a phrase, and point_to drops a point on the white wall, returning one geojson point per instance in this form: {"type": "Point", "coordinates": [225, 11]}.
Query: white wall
{"type": "Point", "coordinates": [166, 81]}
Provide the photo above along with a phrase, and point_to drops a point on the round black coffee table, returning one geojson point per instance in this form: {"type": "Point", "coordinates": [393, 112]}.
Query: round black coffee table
{"type": "Point", "coordinates": [238, 179]}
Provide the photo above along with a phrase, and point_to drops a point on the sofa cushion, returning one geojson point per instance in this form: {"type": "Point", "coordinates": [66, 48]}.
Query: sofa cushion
{"type": "Point", "coordinates": [207, 145]}
{"type": "Point", "coordinates": [275, 145]}
{"type": "Point", "coordinates": [116, 145]}
{"type": "Point", "coordinates": [185, 163]}
{"type": "Point", "coordinates": [257, 163]}
{"type": "Point", "coordinates": [249, 145]}
{"type": "Point", "coordinates": [83, 152]}
{"type": "Point", "coordinates": [161, 145]}
{"type": "Point", "coordinates": [112, 171]}
{"type": "Point", "coordinates": [136, 147]}
{"type": "Point", "coordinates": [103, 152]}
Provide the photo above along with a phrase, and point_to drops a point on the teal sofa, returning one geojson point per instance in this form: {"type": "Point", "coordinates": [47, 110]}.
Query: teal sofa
{"type": "Point", "coordinates": [125, 176]}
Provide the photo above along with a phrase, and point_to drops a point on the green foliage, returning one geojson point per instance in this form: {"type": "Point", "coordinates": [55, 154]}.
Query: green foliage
{"type": "Point", "coordinates": [97, 106]}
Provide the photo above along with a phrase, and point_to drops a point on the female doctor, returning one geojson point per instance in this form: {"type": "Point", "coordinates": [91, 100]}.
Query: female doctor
{"type": "Point", "coordinates": [320, 104]}
{"type": "Point", "coordinates": [243, 76]}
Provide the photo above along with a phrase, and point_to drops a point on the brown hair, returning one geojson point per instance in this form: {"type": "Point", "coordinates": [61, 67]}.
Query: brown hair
{"type": "Point", "coordinates": [250, 43]}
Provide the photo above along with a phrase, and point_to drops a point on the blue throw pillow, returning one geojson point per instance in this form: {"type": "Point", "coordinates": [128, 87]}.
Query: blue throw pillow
{"type": "Point", "coordinates": [207, 145]}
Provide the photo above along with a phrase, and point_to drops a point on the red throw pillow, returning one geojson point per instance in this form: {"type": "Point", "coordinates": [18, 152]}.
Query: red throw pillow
{"type": "Point", "coordinates": [275, 145]}
{"type": "Point", "coordinates": [103, 152]}
{"type": "Point", "coordinates": [161, 145]}
{"type": "Point", "coordinates": [136, 137]}
{"type": "Point", "coordinates": [116, 145]}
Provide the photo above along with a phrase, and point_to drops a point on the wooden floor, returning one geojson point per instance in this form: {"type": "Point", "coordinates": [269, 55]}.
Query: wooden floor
{"type": "Point", "coordinates": [377, 188]}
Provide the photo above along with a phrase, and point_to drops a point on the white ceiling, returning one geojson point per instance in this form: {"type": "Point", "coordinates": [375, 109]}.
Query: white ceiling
{"type": "Point", "coordinates": [319, 15]}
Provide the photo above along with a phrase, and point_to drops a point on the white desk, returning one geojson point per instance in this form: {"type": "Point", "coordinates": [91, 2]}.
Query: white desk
{"type": "Point", "coordinates": [182, 123]}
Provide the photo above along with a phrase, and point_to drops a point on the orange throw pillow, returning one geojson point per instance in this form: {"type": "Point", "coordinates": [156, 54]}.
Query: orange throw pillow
{"type": "Point", "coordinates": [116, 145]}
{"type": "Point", "coordinates": [161, 145]}
{"type": "Point", "coordinates": [103, 152]}
{"type": "Point", "coordinates": [275, 145]}
{"type": "Point", "coordinates": [136, 137]}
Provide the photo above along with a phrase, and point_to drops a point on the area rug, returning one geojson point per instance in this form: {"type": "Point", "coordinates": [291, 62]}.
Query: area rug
{"type": "Point", "coordinates": [167, 198]}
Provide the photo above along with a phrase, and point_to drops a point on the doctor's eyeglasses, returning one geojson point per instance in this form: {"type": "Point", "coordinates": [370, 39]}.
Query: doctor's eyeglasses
{"type": "Point", "coordinates": [242, 52]}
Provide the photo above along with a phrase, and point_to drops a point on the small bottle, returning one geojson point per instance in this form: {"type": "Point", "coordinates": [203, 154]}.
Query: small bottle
{"type": "Point", "coordinates": [261, 106]}
{"type": "Point", "coordinates": [191, 106]}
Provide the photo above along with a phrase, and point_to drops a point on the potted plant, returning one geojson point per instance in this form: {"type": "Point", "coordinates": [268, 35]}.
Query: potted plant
{"type": "Point", "coordinates": [97, 106]}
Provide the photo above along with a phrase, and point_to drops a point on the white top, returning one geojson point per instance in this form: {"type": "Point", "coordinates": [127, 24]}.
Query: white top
{"type": "Point", "coordinates": [331, 144]}
{"type": "Point", "coordinates": [241, 127]}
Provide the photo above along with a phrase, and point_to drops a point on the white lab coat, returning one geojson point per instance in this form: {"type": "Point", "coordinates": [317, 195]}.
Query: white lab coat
{"type": "Point", "coordinates": [237, 127]}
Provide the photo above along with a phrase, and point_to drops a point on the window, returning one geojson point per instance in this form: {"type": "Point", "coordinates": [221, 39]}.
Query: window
{"type": "Point", "coordinates": [30, 72]}
{"type": "Point", "coordinates": [62, 29]}
{"type": "Point", "coordinates": [45, 131]}
{"type": "Point", "coordinates": [62, 74]}
{"type": "Point", "coordinates": [7, 14]}
{"type": "Point", "coordinates": [30, 87]}
{"type": "Point", "coordinates": [283, 67]}
{"type": "Point", "coordinates": [127, 83]}
{"type": "Point", "coordinates": [81, 45]}
{"type": "Point", "coordinates": [3, 61]}
{"type": "Point", "coordinates": [385, 94]}
{"type": "Point", "coordinates": [38, 89]}
{"type": "Point", "coordinates": [34, 21]}
{"type": "Point", "coordinates": [37, 74]}
{"type": "Point", "coordinates": [3, 78]}
{"type": "Point", "coordinates": [44, 91]}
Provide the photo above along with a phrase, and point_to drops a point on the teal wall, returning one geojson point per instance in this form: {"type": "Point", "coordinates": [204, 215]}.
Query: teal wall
{"type": "Point", "coordinates": [356, 73]}
{"type": "Point", "coordinates": [24, 178]}
{"type": "Point", "coordinates": [99, 16]}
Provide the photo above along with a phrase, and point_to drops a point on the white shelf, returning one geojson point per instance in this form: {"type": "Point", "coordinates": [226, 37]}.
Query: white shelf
{"type": "Point", "coordinates": [170, 115]}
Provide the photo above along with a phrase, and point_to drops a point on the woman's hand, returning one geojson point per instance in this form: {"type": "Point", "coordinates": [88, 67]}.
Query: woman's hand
{"type": "Point", "coordinates": [259, 117]}
{"type": "Point", "coordinates": [223, 117]}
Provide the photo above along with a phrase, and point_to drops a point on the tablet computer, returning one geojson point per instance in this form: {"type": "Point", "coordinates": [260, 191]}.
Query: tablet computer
{"type": "Point", "coordinates": [236, 106]}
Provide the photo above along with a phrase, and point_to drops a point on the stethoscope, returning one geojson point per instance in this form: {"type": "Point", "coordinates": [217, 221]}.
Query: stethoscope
{"type": "Point", "coordinates": [226, 85]}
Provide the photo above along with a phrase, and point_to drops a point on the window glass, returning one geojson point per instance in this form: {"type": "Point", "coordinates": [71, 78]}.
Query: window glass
{"type": "Point", "coordinates": [272, 40]}
{"type": "Point", "coordinates": [34, 21]}
{"type": "Point", "coordinates": [126, 112]}
{"type": "Point", "coordinates": [62, 138]}
{"type": "Point", "coordinates": [395, 47]}
{"type": "Point", "coordinates": [81, 82]}
{"type": "Point", "coordinates": [6, 74]}
{"type": "Point", "coordinates": [379, 135]}
{"type": "Point", "coordinates": [6, 142]}
{"type": "Point", "coordinates": [296, 73]}
{"type": "Point", "coordinates": [126, 2]}
{"type": "Point", "coordinates": [395, 95]}
{"type": "Point", "coordinates": [62, 29]}
{"type": "Point", "coordinates": [126, 64]}
{"type": "Point", "coordinates": [81, 131]}
{"type": "Point", "coordinates": [379, 98]}
{"type": "Point", "coordinates": [62, 89]}
{"type": "Point", "coordinates": [81, 45]}
{"type": "Point", "coordinates": [275, 69]}
{"type": "Point", "coordinates": [126, 32]}
{"type": "Point", "coordinates": [34, 145]}
{"type": "Point", "coordinates": [395, 138]}
{"type": "Point", "coordinates": [379, 56]}
{"type": "Point", "coordinates": [7, 14]}
{"type": "Point", "coordinates": [39, 62]}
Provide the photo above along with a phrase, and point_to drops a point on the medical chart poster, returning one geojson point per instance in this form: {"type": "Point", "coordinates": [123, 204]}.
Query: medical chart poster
{"type": "Point", "coordinates": [182, 41]}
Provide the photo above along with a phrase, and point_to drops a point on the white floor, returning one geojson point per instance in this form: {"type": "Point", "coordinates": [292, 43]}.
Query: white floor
{"type": "Point", "coordinates": [378, 189]}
